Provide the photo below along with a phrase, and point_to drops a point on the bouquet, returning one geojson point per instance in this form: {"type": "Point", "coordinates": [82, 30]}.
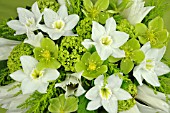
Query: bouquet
{"type": "Point", "coordinates": [85, 56]}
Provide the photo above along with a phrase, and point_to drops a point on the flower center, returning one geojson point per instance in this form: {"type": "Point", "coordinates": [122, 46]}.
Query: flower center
{"type": "Point", "coordinates": [29, 22]}
{"type": "Point", "coordinates": [105, 93]}
{"type": "Point", "coordinates": [36, 74]}
{"type": "Point", "coordinates": [107, 40]}
{"type": "Point", "coordinates": [92, 66]}
{"type": "Point", "coordinates": [46, 54]}
{"type": "Point", "coordinates": [59, 24]}
{"type": "Point", "coordinates": [151, 37]}
{"type": "Point", "coordinates": [149, 64]}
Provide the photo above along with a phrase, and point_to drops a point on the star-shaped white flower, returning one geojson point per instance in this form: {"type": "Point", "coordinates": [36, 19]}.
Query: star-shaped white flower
{"type": "Point", "coordinates": [136, 12]}
{"type": "Point", "coordinates": [31, 78]}
{"type": "Point", "coordinates": [107, 40]}
{"type": "Point", "coordinates": [60, 23]}
{"type": "Point", "coordinates": [28, 20]}
{"type": "Point", "coordinates": [106, 94]}
{"type": "Point", "coordinates": [72, 84]}
{"type": "Point", "coordinates": [6, 47]}
{"type": "Point", "coordinates": [151, 67]}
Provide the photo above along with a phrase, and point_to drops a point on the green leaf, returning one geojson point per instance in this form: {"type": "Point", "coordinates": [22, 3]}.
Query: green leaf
{"type": "Point", "coordinates": [103, 16]}
{"type": "Point", "coordinates": [101, 5]}
{"type": "Point", "coordinates": [142, 40]}
{"type": "Point", "coordinates": [126, 65]}
{"type": "Point", "coordinates": [141, 28]}
{"type": "Point", "coordinates": [63, 105]}
{"type": "Point", "coordinates": [113, 60]}
{"type": "Point", "coordinates": [88, 5]}
{"type": "Point", "coordinates": [124, 4]}
{"type": "Point", "coordinates": [48, 44]}
{"type": "Point", "coordinates": [138, 56]}
{"type": "Point", "coordinates": [80, 66]}
{"type": "Point", "coordinates": [156, 24]}
{"type": "Point", "coordinates": [56, 52]}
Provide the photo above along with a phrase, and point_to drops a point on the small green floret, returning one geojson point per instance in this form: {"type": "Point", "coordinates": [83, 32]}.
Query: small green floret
{"type": "Point", "coordinates": [42, 4]}
{"type": "Point", "coordinates": [62, 104]}
{"type": "Point", "coordinates": [70, 52]}
{"type": "Point", "coordinates": [91, 65]}
{"type": "Point", "coordinates": [124, 105]}
{"type": "Point", "coordinates": [14, 63]}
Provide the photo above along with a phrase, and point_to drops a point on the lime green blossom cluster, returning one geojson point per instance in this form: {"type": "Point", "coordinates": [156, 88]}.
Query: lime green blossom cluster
{"type": "Point", "coordinates": [124, 105]}
{"type": "Point", "coordinates": [42, 4]}
{"type": "Point", "coordinates": [70, 52]}
{"type": "Point", "coordinates": [165, 85]}
{"type": "Point", "coordinates": [14, 63]}
{"type": "Point", "coordinates": [126, 27]}
{"type": "Point", "coordinates": [8, 33]}
{"type": "Point", "coordinates": [84, 28]}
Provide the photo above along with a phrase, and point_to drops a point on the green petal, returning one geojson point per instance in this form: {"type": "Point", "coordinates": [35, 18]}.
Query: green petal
{"type": "Point", "coordinates": [37, 53]}
{"type": "Point", "coordinates": [53, 107]}
{"type": "Point", "coordinates": [138, 56]}
{"type": "Point", "coordinates": [88, 5]}
{"type": "Point", "coordinates": [156, 24]}
{"type": "Point", "coordinates": [126, 65]}
{"type": "Point", "coordinates": [142, 40]}
{"type": "Point", "coordinates": [162, 35]}
{"type": "Point", "coordinates": [113, 60]}
{"type": "Point", "coordinates": [56, 52]}
{"type": "Point", "coordinates": [96, 58]}
{"type": "Point", "coordinates": [103, 17]}
{"type": "Point", "coordinates": [141, 28]}
{"type": "Point", "coordinates": [48, 44]}
{"type": "Point", "coordinates": [101, 5]}
{"type": "Point", "coordinates": [80, 66]}
{"type": "Point", "coordinates": [101, 70]}
{"type": "Point", "coordinates": [133, 44]}
{"type": "Point", "coordinates": [85, 57]}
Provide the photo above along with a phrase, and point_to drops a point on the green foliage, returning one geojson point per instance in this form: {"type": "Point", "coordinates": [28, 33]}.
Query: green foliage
{"type": "Point", "coordinates": [91, 65]}
{"type": "Point", "coordinates": [42, 4]}
{"type": "Point", "coordinates": [8, 33]}
{"type": "Point", "coordinates": [14, 63]}
{"type": "Point", "coordinates": [84, 28]}
{"type": "Point", "coordinates": [70, 52]}
{"type": "Point", "coordinates": [62, 104]}
{"type": "Point", "coordinates": [5, 79]}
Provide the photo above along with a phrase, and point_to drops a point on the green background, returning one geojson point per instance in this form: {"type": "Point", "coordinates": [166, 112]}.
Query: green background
{"type": "Point", "coordinates": [8, 9]}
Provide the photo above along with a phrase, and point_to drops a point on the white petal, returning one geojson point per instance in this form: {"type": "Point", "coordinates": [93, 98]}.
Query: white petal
{"type": "Point", "coordinates": [80, 91]}
{"type": "Point", "coordinates": [151, 78]}
{"type": "Point", "coordinates": [161, 69]}
{"type": "Point", "coordinates": [61, 2]}
{"type": "Point", "coordinates": [44, 28]}
{"type": "Point", "coordinates": [28, 64]}
{"type": "Point", "coordinates": [118, 53]}
{"type": "Point", "coordinates": [146, 47]}
{"type": "Point", "coordinates": [134, 109]}
{"type": "Point", "coordinates": [43, 88]}
{"type": "Point", "coordinates": [5, 52]}
{"type": "Point", "coordinates": [71, 21]}
{"type": "Point", "coordinates": [7, 42]}
{"type": "Point", "coordinates": [119, 38]}
{"type": "Point", "coordinates": [87, 43]}
{"type": "Point", "coordinates": [18, 75]}
{"type": "Point", "coordinates": [77, 75]}
{"type": "Point", "coordinates": [137, 73]}
{"type": "Point", "coordinates": [50, 17]}
{"type": "Point", "coordinates": [69, 33]}
{"type": "Point", "coordinates": [62, 11]}
{"type": "Point", "coordinates": [55, 35]}
{"type": "Point", "coordinates": [93, 93]}
{"type": "Point", "coordinates": [17, 26]}
{"type": "Point", "coordinates": [36, 12]}
{"type": "Point", "coordinates": [99, 80]}
{"type": "Point", "coordinates": [97, 31]}
{"type": "Point", "coordinates": [110, 25]}
{"type": "Point", "coordinates": [49, 75]}
{"type": "Point", "coordinates": [114, 81]}
{"type": "Point", "coordinates": [122, 94]}
{"type": "Point", "coordinates": [94, 104]}
{"type": "Point", "coordinates": [110, 105]}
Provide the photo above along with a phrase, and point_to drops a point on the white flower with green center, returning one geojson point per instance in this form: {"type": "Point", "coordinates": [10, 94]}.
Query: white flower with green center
{"type": "Point", "coordinates": [136, 12]}
{"type": "Point", "coordinates": [151, 67]}
{"type": "Point", "coordinates": [107, 40]}
{"type": "Point", "coordinates": [28, 20]}
{"type": "Point", "coordinates": [6, 47]}
{"type": "Point", "coordinates": [72, 84]}
{"type": "Point", "coordinates": [106, 94]}
{"type": "Point", "coordinates": [60, 23]}
{"type": "Point", "coordinates": [31, 78]}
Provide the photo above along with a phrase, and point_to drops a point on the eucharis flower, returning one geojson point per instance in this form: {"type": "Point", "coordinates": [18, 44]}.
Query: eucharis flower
{"type": "Point", "coordinates": [136, 12]}
{"type": "Point", "coordinates": [151, 67]}
{"type": "Point", "coordinates": [31, 78]}
{"type": "Point", "coordinates": [106, 94]}
{"type": "Point", "coordinates": [28, 20]}
{"type": "Point", "coordinates": [107, 40]}
{"type": "Point", "coordinates": [72, 84]}
{"type": "Point", "coordinates": [60, 23]}
{"type": "Point", "coordinates": [6, 47]}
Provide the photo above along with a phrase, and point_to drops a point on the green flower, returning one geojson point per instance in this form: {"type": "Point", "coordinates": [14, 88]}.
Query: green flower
{"type": "Point", "coordinates": [92, 66]}
{"type": "Point", "coordinates": [47, 54]}
{"type": "Point", "coordinates": [63, 105]}
{"type": "Point", "coordinates": [155, 33]}
{"type": "Point", "coordinates": [133, 54]}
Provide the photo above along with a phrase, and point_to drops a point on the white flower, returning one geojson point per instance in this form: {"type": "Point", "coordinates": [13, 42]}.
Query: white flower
{"type": "Point", "coordinates": [136, 12]}
{"type": "Point", "coordinates": [28, 20]}
{"type": "Point", "coordinates": [154, 102]}
{"type": "Point", "coordinates": [31, 78]}
{"type": "Point", "coordinates": [151, 67]}
{"type": "Point", "coordinates": [107, 40]}
{"type": "Point", "coordinates": [6, 47]}
{"type": "Point", "coordinates": [60, 23]}
{"type": "Point", "coordinates": [106, 95]}
{"type": "Point", "coordinates": [72, 84]}
{"type": "Point", "coordinates": [11, 102]}
{"type": "Point", "coordinates": [134, 109]}
{"type": "Point", "coordinates": [33, 39]}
